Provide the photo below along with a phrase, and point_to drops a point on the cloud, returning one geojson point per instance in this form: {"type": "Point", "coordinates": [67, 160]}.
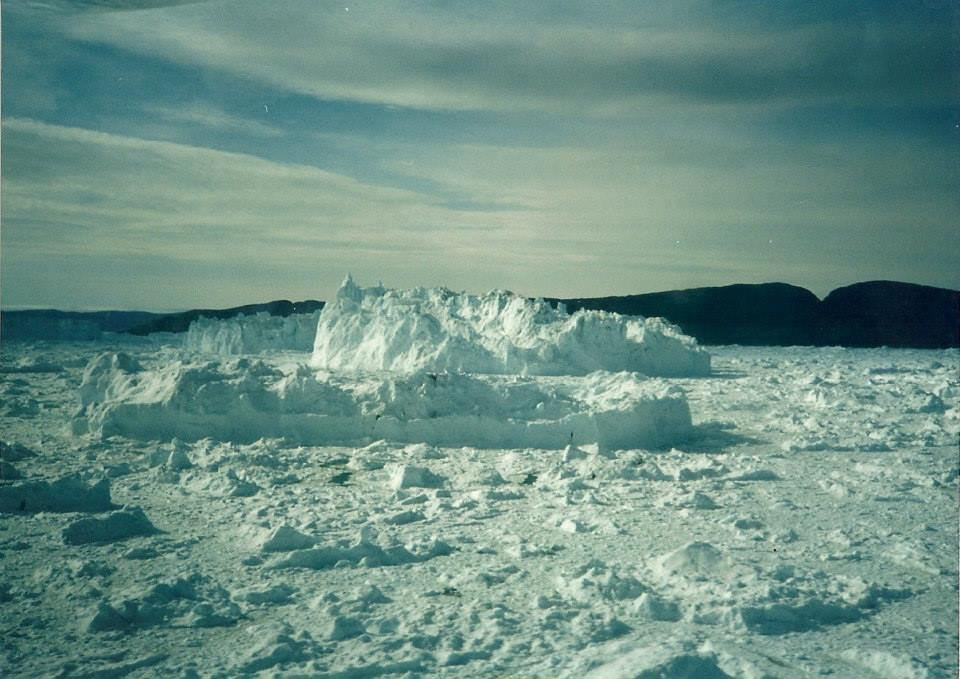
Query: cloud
{"type": "Point", "coordinates": [75, 195]}
{"type": "Point", "coordinates": [546, 147]}
{"type": "Point", "coordinates": [492, 58]}
{"type": "Point", "coordinates": [211, 116]}
{"type": "Point", "coordinates": [94, 215]}
{"type": "Point", "coordinates": [70, 6]}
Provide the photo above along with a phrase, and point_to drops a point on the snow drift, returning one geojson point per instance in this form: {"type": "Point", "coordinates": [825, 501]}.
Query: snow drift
{"type": "Point", "coordinates": [245, 399]}
{"type": "Point", "coordinates": [251, 334]}
{"type": "Point", "coordinates": [378, 329]}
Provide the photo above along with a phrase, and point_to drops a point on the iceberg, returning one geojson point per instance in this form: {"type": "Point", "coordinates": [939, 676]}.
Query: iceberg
{"type": "Point", "coordinates": [379, 329]}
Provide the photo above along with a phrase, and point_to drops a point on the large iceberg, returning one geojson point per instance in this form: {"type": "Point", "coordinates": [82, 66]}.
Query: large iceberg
{"type": "Point", "coordinates": [378, 329]}
{"type": "Point", "coordinates": [245, 399]}
{"type": "Point", "coordinates": [489, 371]}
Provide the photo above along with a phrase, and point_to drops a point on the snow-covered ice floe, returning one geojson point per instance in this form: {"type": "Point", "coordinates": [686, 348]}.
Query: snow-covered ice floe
{"type": "Point", "coordinates": [251, 334]}
{"type": "Point", "coordinates": [246, 399]}
{"type": "Point", "coordinates": [808, 529]}
{"type": "Point", "coordinates": [496, 333]}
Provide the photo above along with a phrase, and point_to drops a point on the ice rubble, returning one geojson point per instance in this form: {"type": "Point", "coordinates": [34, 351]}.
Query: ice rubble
{"type": "Point", "coordinates": [251, 334]}
{"type": "Point", "coordinates": [497, 333]}
{"type": "Point", "coordinates": [244, 399]}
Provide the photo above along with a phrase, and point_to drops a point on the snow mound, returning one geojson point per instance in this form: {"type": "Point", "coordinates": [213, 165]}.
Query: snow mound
{"type": "Point", "coordinates": [285, 539]}
{"type": "Point", "coordinates": [11, 451]}
{"type": "Point", "coordinates": [657, 662]}
{"type": "Point", "coordinates": [596, 581]}
{"type": "Point", "coordinates": [364, 552]}
{"type": "Point", "coordinates": [709, 587]}
{"type": "Point", "coordinates": [692, 559]}
{"type": "Point", "coordinates": [886, 664]}
{"type": "Point", "coordinates": [66, 494]}
{"type": "Point", "coordinates": [797, 607]}
{"type": "Point", "coordinates": [377, 329]}
{"type": "Point", "coordinates": [190, 601]}
{"type": "Point", "coordinates": [120, 525]}
{"type": "Point", "coordinates": [251, 334]}
{"type": "Point", "coordinates": [243, 400]}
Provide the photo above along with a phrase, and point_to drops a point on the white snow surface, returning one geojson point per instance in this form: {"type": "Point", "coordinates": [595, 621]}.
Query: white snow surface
{"type": "Point", "coordinates": [806, 526]}
{"type": "Point", "coordinates": [379, 329]}
{"type": "Point", "coordinates": [251, 334]}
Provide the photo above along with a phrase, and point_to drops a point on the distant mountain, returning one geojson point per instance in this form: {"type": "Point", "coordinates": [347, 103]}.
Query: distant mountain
{"type": "Point", "coordinates": [181, 322]}
{"type": "Point", "coordinates": [887, 313]}
{"type": "Point", "coordinates": [771, 313]}
{"type": "Point", "coordinates": [53, 324]}
{"type": "Point", "coordinates": [872, 314]}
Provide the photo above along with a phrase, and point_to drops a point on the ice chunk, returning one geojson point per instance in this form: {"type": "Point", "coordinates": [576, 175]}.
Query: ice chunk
{"type": "Point", "coordinates": [11, 451]}
{"type": "Point", "coordinates": [886, 664]}
{"type": "Point", "coordinates": [655, 608]}
{"type": "Point", "coordinates": [694, 558]}
{"type": "Point", "coordinates": [363, 552]}
{"type": "Point", "coordinates": [373, 329]}
{"type": "Point", "coordinates": [66, 494]}
{"type": "Point", "coordinates": [274, 595]}
{"type": "Point", "coordinates": [410, 476]}
{"type": "Point", "coordinates": [127, 523]}
{"type": "Point", "coordinates": [286, 539]}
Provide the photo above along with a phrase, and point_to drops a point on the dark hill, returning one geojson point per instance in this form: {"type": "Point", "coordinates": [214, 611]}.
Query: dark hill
{"type": "Point", "coordinates": [879, 313]}
{"type": "Point", "coordinates": [887, 313]}
{"type": "Point", "coordinates": [771, 313]}
{"type": "Point", "coordinates": [52, 324]}
{"type": "Point", "coordinates": [180, 322]}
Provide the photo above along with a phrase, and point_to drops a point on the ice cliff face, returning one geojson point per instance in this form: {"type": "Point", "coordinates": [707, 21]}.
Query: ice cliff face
{"type": "Point", "coordinates": [251, 334]}
{"type": "Point", "coordinates": [245, 399]}
{"type": "Point", "coordinates": [377, 329]}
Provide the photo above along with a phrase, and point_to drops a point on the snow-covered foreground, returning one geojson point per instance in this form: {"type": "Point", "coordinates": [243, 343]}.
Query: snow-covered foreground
{"type": "Point", "coordinates": [805, 525]}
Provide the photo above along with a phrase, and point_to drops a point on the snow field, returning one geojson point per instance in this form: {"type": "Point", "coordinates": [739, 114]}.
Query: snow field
{"type": "Point", "coordinates": [804, 525]}
{"type": "Point", "coordinates": [315, 574]}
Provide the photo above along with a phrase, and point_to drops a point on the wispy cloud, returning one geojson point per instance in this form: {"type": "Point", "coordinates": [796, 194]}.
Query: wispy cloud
{"type": "Point", "coordinates": [71, 6]}
{"type": "Point", "coordinates": [78, 194]}
{"type": "Point", "coordinates": [216, 150]}
{"type": "Point", "coordinates": [208, 115]}
{"type": "Point", "coordinates": [591, 220]}
{"type": "Point", "coordinates": [498, 58]}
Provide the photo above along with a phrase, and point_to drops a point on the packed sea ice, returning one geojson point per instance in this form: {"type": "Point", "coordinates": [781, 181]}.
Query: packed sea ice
{"type": "Point", "coordinates": [169, 513]}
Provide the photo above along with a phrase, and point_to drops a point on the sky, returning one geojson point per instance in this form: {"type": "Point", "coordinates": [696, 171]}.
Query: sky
{"type": "Point", "coordinates": [167, 155]}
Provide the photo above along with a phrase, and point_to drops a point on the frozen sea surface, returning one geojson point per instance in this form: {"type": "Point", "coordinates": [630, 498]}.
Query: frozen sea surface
{"type": "Point", "coordinates": [806, 526]}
